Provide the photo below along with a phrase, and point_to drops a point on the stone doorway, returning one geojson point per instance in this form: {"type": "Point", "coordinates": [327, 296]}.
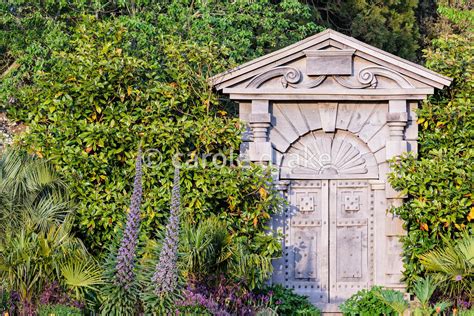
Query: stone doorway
{"type": "Point", "coordinates": [331, 112]}
{"type": "Point", "coordinates": [328, 226]}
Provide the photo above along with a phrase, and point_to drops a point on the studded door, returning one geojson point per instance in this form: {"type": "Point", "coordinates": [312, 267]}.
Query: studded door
{"type": "Point", "coordinates": [351, 238]}
{"type": "Point", "coordinates": [328, 231]}
{"type": "Point", "coordinates": [304, 265]}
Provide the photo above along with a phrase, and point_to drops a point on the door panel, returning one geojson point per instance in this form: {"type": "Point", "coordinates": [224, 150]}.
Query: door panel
{"type": "Point", "coordinates": [348, 230]}
{"type": "Point", "coordinates": [328, 234]}
{"type": "Point", "coordinates": [306, 240]}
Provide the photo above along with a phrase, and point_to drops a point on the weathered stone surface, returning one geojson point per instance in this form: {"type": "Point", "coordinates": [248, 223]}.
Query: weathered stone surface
{"type": "Point", "coordinates": [330, 112]}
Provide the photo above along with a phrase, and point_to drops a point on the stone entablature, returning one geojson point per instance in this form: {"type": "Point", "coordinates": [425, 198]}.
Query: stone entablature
{"type": "Point", "coordinates": [330, 112]}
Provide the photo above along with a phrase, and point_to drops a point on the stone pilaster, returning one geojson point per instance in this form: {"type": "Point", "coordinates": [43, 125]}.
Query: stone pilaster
{"type": "Point", "coordinates": [396, 145]}
{"type": "Point", "coordinates": [260, 149]}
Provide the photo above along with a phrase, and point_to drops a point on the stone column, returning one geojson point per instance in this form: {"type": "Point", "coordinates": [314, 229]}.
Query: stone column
{"type": "Point", "coordinates": [260, 149]}
{"type": "Point", "coordinates": [397, 118]}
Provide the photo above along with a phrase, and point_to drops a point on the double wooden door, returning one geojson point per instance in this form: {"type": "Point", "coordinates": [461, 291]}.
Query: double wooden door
{"type": "Point", "coordinates": [328, 240]}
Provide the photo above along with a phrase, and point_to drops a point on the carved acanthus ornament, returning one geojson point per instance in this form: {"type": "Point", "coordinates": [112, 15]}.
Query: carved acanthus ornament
{"type": "Point", "coordinates": [365, 78]}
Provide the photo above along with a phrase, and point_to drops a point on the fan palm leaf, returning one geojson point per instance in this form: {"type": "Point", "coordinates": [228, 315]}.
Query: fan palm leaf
{"type": "Point", "coordinates": [452, 266]}
{"type": "Point", "coordinates": [79, 275]}
{"type": "Point", "coordinates": [31, 192]}
{"type": "Point", "coordinates": [36, 244]}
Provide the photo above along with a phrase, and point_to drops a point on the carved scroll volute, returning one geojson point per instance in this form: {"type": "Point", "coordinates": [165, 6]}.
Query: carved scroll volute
{"type": "Point", "coordinates": [365, 78]}
{"type": "Point", "coordinates": [289, 75]}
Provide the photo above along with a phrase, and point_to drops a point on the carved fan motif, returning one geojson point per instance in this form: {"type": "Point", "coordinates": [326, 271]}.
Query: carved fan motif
{"type": "Point", "coordinates": [324, 154]}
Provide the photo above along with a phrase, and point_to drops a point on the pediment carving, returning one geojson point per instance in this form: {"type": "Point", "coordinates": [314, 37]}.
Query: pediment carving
{"type": "Point", "coordinates": [366, 77]}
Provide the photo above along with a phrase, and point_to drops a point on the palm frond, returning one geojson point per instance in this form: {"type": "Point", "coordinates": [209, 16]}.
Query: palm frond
{"type": "Point", "coordinates": [81, 275]}
{"type": "Point", "coordinates": [452, 266]}
{"type": "Point", "coordinates": [424, 289]}
{"type": "Point", "coordinates": [394, 299]}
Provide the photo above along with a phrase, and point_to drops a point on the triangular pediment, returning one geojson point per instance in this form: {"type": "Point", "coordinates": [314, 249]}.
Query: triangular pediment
{"type": "Point", "coordinates": [330, 62]}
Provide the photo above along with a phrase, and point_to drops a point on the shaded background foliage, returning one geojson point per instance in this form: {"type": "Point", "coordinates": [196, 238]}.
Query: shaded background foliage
{"type": "Point", "coordinates": [91, 80]}
{"type": "Point", "coordinates": [389, 25]}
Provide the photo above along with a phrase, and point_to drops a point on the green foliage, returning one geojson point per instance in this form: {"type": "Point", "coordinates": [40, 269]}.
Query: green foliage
{"type": "Point", "coordinates": [247, 29]}
{"type": "Point", "coordinates": [88, 113]}
{"type": "Point", "coordinates": [452, 268]}
{"type": "Point", "coordinates": [460, 14]}
{"type": "Point", "coordinates": [287, 302]}
{"type": "Point", "coordinates": [194, 310]}
{"type": "Point", "coordinates": [439, 183]}
{"type": "Point", "coordinates": [58, 310]}
{"type": "Point", "coordinates": [31, 30]}
{"type": "Point", "coordinates": [209, 249]}
{"type": "Point", "coordinates": [113, 299]}
{"type": "Point", "coordinates": [394, 299]}
{"type": "Point", "coordinates": [423, 290]}
{"type": "Point", "coordinates": [388, 25]}
{"type": "Point", "coordinates": [36, 244]}
{"type": "Point", "coordinates": [4, 299]}
{"type": "Point", "coordinates": [376, 301]}
{"type": "Point", "coordinates": [31, 193]}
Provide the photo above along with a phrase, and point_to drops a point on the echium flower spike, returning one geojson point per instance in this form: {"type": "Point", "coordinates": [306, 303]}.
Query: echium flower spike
{"type": "Point", "coordinates": [165, 277]}
{"type": "Point", "coordinates": [125, 274]}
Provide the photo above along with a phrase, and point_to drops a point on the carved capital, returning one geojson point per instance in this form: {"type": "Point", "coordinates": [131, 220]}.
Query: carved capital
{"type": "Point", "coordinates": [397, 122]}
{"type": "Point", "coordinates": [282, 185]}
{"type": "Point", "coordinates": [260, 118]}
{"type": "Point", "coordinates": [261, 152]}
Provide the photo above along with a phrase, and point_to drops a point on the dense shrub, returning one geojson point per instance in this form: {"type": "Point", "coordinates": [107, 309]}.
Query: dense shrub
{"type": "Point", "coordinates": [287, 302]}
{"type": "Point", "coordinates": [388, 25]}
{"type": "Point", "coordinates": [222, 296]}
{"type": "Point", "coordinates": [452, 268]}
{"type": "Point", "coordinates": [41, 261]}
{"type": "Point", "coordinates": [59, 310]}
{"type": "Point", "coordinates": [439, 183]}
{"type": "Point", "coordinates": [209, 249]}
{"type": "Point", "coordinates": [89, 112]}
{"type": "Point", "coordinates": [367, 302]}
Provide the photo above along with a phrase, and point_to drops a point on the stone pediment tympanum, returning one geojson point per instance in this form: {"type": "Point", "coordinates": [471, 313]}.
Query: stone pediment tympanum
{"type": "Point", "coordinates": [331, 66]}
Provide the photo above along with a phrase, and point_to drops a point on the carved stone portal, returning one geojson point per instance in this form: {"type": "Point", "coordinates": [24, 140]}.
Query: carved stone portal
{"type": "Point", "coordinates": [328, 250]}
{"type": "Point", "coordinates": [330, 112]}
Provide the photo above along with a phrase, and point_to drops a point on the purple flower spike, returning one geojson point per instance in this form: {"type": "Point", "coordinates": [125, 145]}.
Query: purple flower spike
{"type": "Point", "coordinates": [165, 277]}
{"type": "Point", "coordinates": [126, 254]}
